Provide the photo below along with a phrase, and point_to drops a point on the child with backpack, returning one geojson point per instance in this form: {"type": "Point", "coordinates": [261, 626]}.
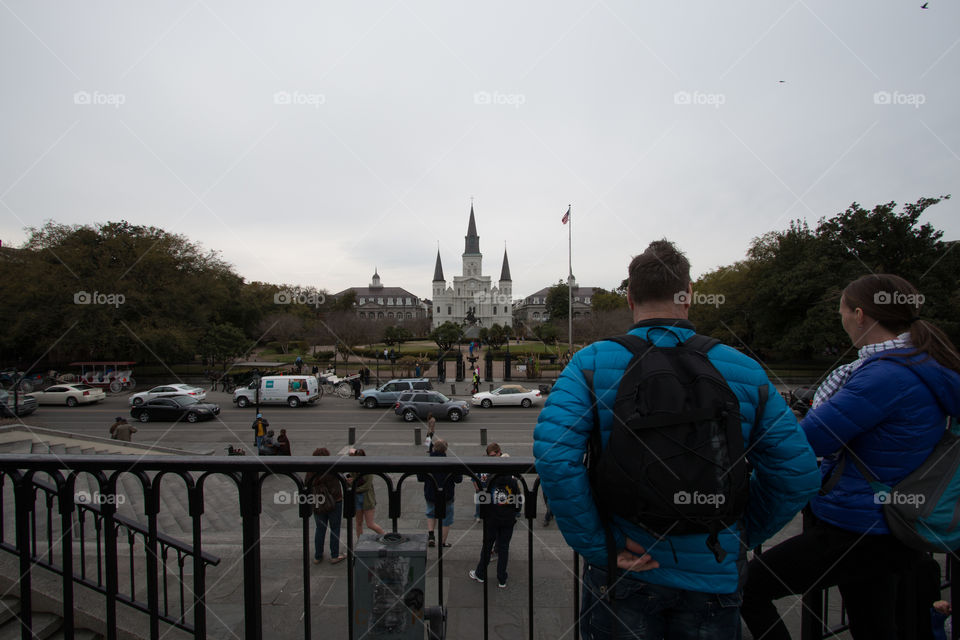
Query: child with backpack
{"type": "Point", "coordinates": [500, 503]}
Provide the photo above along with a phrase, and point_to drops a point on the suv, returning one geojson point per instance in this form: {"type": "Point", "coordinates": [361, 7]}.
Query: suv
{"type": "Point", "coordinates": [388, 393]}
{"type": "Point", "coordinates": [419, 404]}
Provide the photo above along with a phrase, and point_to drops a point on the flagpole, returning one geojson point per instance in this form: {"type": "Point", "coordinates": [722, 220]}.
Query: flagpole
{"type": "Point", "coordinates": [570, 280]}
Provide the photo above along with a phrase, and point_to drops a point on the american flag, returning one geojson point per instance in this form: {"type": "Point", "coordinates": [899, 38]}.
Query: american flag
{"type": "Point", "coordinates": [566, 216]}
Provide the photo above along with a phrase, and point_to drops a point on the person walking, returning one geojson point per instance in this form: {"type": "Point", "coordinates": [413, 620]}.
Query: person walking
{"type": "Point", "coordinates": [501, 504]}
{"type": "Point", "coordinates": [366, 499]}
{"type": "Point", "coordinates": [432, 485]}
{"type": "Point", "coordinates": [882, 415]}
{"type": "Point", "coordinates": [667, 418]}
{"type": "Point", "coordinates": [121, 429]}
{"type": "Point", "coordinates": [327, 499]}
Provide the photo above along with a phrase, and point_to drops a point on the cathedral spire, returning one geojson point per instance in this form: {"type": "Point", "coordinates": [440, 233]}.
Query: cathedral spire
{"type": "Point", "coordinates": [505, 270]}
{"type": "Point", "coordinates": [472, 240]}
{"type": "Point", "coordinates": [438, 270]}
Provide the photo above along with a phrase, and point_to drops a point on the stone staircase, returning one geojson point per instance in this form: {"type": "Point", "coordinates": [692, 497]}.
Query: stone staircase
{"type": "Point", "coordinates": [221, 516]}
{"type": "Point", "coordinates": [45, 626]}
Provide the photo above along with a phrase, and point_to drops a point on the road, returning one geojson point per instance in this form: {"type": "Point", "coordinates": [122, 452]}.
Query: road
{"type": "Point", "coordinates": [325, 424]}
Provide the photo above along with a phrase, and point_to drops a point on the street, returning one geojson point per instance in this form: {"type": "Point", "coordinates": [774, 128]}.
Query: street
{"type": "Point", "coordinates": [325, 424]}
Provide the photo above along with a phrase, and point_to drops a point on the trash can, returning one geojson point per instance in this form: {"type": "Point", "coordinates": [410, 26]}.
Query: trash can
{"type": "Point", "coordinates": [389, 575]}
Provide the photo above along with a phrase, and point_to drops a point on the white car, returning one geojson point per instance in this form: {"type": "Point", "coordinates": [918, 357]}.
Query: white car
{"type": "Point", "coordinates": [167, 390]}
{"type": "Point", "coordinates": [69, 394]}
{"type": "Point", "coordinates": [508, 395]}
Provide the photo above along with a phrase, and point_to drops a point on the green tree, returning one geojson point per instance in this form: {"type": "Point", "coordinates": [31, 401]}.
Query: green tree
{"type": "Point", "coordinates": [558, 301]}
{"type": "Point", "coordinates": [497, 335]}
{"type": "Point", "coordinates": [345, 302]}
{"type": "Point", "coordinates": [395, 335]}
{"type": "Point", "coordinates": [222, 343]}
{"type": "Point", "coordinates": [447, 335]}
{"type": "Point", "coordinates": [603, 300]}
{"type": "Point", "coordinates": [546, 333]}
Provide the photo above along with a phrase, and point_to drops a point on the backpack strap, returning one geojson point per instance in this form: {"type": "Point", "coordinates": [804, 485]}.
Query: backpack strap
{"type": "Point", "coordinates": [594, 448]}
{"type": "Point", "coordinates": [700, 343]}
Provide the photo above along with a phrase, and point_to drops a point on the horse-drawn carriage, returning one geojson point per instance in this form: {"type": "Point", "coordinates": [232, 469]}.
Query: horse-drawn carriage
{"type": "Point", "coordinates": [110, 375]}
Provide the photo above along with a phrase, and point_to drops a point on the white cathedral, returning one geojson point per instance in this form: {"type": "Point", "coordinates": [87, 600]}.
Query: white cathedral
{"type": "Point", "coordinates": [472, 299]}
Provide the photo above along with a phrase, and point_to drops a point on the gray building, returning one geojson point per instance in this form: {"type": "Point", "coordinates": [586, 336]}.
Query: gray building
{"type": "Point", "coordinates": [377, 302]}
{"type": "Point", "coordinates": [533, 308]}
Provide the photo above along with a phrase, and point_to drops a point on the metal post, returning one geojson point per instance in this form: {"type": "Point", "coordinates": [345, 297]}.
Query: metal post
{"type": "Point", "coordinates": [252, 595]}
{"type": "Point", "coordinates": [352, 435]}
{"type": "Point", "coordinates": [483, 437]}
{"type": "Point", "coordinates": [417, 436]}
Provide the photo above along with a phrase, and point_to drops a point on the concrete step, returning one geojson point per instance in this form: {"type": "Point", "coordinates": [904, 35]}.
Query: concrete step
{"type": "Point", "coordinates": [20, 446]}
{"type": "Point", "coordinates": [40, 447]}
{"type": "Point", "coordinates": [88, 451]}
{"type": "Point", "coordinates": [58, 449]}
{"type": "Point", "coordinates": [78, 634]}
{"type": "Point", "coordinates": [43, 626]}
{"type": "Point", "coordinates": [74, 450]}
{"type": "Point", "coordinates": [9, 608]}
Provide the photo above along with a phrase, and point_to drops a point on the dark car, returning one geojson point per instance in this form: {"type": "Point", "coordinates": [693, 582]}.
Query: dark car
{"type": "Point", "coordinates": [420, 404]}
{"type": "Point", "coordinates": [174, 408]}
{"type": "Point", "coordinates": [25, 405]}
{"type": "Point", "coordinates": [801, 399]}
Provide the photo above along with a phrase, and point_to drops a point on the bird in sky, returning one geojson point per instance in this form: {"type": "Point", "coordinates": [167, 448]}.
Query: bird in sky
{"type": "Point", "coordinates": [924, 5]}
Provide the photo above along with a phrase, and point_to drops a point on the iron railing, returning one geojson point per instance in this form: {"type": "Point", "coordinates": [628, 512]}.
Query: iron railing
{"type": "Point", "coordinates": [58, 521]}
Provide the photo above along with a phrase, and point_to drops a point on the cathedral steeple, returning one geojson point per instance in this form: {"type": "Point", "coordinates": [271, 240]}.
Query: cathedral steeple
{"type": "Point", "coordinates": [505, 270]}
{"type": "Point", "coordinates": [438, 270]}
{"type": "Point", "coordinates": [472, 240]}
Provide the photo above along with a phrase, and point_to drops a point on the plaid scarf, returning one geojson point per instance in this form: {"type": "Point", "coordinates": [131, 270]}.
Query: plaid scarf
{"type": "Point", "coordinates": [839, 376]}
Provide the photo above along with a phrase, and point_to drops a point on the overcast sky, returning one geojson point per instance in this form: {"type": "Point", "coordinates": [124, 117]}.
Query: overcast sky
{"type": "Point", "coordinates": [310, 142]}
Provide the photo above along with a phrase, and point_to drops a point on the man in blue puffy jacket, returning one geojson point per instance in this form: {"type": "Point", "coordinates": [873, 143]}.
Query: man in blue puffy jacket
{"type": "Point", "coordinates": [674, 587]}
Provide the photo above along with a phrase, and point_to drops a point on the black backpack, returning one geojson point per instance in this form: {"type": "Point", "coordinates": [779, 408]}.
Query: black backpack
{"type": "Point", "coordinates": [675, 461]}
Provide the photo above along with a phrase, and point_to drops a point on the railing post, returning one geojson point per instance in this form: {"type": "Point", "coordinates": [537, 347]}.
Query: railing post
{"type": "Point", "coordinates": [151, 509]}
{"type": "Point", "coordinates": [111, 571]}
{"type": "Point", "coordinates": [66, 528]}
{"type": "Point", "coordinates": [811, 615]}
{"type": "Point", "coordinates": [250, 515]}
{"type": "Point", "coordinates": [23, 497]}
{"type": "Point", "coordinates": [195, 503]}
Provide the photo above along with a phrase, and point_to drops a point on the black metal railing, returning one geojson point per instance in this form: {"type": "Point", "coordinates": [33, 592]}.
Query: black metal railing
{"type": "Point", "coordinates": [56, 523]}
{"type": "Point", "coordinates": [54, 480]}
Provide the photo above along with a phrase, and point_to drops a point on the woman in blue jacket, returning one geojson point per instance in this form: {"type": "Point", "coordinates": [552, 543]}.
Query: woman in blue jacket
{"type": "Point", "coordinates": [888, 409]}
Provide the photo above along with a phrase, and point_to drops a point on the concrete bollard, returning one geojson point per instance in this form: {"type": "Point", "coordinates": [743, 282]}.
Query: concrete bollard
{"type": "Point", "coordinates": [352, 436]}
{"type": "Point", "coordinates": [416, 436]}
{"type": "Point", "coordinates": [483, 437]}
{"type": "Point", "coordinates": [491, 387]}
{"type": "Point", "coordinates": [453, 389]}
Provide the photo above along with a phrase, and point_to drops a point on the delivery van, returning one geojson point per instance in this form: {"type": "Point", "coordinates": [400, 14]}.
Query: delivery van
{"type": "Point", "coordinates": [289, 390]}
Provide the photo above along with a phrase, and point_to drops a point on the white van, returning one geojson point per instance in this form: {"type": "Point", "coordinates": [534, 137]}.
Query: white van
{"type": "Point", "coordinates": [290, 390]}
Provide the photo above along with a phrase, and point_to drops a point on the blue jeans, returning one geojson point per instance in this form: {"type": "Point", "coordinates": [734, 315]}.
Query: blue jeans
{"type": "Point", "coordinates": [332, 521]}
{"type": "Point", "coordinates": [642, 610]}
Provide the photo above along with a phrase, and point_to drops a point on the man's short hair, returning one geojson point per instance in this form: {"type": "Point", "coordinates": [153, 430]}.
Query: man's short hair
{"type": "Point", "coordinates": [658, 274]}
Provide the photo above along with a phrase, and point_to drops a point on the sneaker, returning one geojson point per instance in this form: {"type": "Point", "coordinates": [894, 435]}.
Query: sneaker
{"type": "Point", "coordinates": [447, 544]}
{"type": "Point", "coordinates": [340, 558]}
{"type": "Point", "coordinates": [316, 561]}
{"type": "Point", "coordinates": [473, 576]}
{"type": "Point", "coordinates": [431, 542]}
{"type": "Point", "coordinates": [502, 585]}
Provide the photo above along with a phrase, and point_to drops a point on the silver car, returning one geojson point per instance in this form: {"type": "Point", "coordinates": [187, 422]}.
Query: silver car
{"type": "Point", "coordinates": [412, 405]}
